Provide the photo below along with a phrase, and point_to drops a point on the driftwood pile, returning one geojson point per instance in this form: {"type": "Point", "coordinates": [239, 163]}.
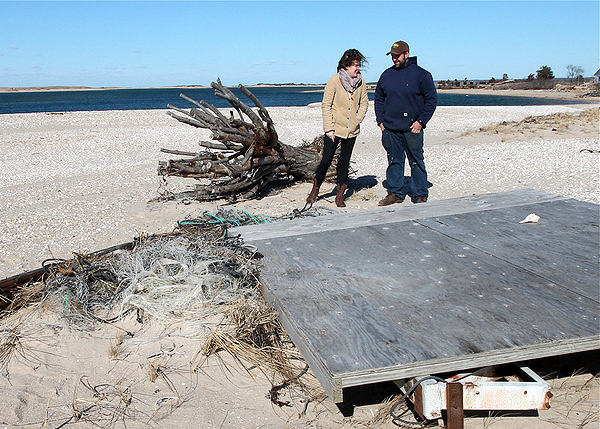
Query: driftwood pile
{"type": "Point", "coordinates": [245, 154]}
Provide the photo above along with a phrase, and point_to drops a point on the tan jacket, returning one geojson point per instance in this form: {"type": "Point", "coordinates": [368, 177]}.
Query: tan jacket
{"type": "Point", "coordinates": [342, 113]}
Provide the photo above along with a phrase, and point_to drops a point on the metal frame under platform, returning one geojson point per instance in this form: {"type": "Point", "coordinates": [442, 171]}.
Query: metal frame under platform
{"type": "Point", "coordinates": [493, 388]}
{"type": "Point", "coordinates": [410, 290]}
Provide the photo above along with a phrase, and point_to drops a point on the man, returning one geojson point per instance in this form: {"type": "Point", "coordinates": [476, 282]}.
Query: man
{"type": "Point", "coordinates": [405, 99]}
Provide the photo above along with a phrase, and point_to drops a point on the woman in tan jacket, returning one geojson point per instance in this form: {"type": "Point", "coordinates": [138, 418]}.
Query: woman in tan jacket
{"type": "Point", "coordinates": [344, 106]}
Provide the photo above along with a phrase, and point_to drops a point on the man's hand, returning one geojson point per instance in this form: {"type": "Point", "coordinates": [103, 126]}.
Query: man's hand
{"type": "Point", "coordinates": [331, 135]}
{"type": "Point", "coordinates": [416, 127]}
{"type": "Point", "coordinates": [381, 126]}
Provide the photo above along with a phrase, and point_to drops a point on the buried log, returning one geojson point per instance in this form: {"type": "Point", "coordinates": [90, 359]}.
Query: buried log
{"type": "Point", "coordinates": [246, 154]}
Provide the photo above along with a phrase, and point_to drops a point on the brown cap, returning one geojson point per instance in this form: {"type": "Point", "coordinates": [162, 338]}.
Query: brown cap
{"type": "Point", "coordinates": [398, 48]}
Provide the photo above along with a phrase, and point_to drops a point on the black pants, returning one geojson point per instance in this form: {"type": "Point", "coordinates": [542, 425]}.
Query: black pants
{"type": "Point", "coordinates": [343, 163]}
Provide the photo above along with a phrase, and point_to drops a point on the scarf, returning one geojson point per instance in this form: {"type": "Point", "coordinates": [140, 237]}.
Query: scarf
{"type": "Point", "coordinates": [349, 83]}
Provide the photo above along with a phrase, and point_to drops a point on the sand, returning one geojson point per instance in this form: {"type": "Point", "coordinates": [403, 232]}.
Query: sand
{"type": "Point", "coordinates": [84, 181]}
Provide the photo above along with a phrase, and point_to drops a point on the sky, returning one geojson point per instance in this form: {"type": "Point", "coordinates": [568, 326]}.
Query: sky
{"type": "Point", "coordinates": [168, 43]}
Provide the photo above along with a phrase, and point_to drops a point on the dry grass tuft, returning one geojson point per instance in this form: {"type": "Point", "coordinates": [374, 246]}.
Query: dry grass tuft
{"type": "Point", "coordinates": [587, 121]}
{"type": "Point", "coordinates": [117, 349]}
{"type": "Point", "coordinates": [27, 295]}
{"type": "Point", "coordinates": [108, 405]}
{"type": "Point", "coordinates": [383, 413]}
{"type": "Point", "coordinates": [15, 344]}
{"type": "Point", "coordinates": [10, 346]}
{"type": "Point", "coordinates": [252, 334]}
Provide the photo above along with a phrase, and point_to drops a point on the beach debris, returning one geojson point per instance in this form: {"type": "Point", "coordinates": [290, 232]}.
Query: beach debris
{"type": "Point", "coordinates": [245, 153]}
{"type": "Point", "coordinates": [167, 276]}
{"type": "Point", "coordinates": [170, 276]}
{"type": "Point", "coordinates": [189, 276]}
{"type": "Point", "coordinates": [531, 218]}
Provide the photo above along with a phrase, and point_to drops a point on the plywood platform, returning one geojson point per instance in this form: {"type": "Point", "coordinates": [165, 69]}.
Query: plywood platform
{"type": "Point", "coordinates": [410, 290]}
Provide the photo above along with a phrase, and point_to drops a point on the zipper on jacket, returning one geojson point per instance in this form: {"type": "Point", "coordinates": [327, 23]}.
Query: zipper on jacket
{"type": "Point", "coordinates": [349, 115]}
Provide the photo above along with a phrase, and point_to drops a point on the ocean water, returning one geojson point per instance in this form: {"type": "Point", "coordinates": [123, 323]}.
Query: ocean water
{"type": "Point", "coordinates": [159, 98]}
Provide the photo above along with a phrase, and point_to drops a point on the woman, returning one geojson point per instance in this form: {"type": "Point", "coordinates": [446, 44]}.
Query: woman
{"type": "Point", "coordinates": [344, 106]}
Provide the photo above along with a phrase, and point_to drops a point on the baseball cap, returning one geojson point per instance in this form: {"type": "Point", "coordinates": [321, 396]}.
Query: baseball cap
{"type": "Point", "coordinates": [398, 48]}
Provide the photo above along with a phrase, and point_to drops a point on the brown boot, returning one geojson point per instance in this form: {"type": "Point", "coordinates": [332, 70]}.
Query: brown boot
{"type": "Point", "coordinates": [391, 199]}
{"type": "Point", "coordinates": [314, 192]}
{"type": "Point", "coordinates": [339, 197]}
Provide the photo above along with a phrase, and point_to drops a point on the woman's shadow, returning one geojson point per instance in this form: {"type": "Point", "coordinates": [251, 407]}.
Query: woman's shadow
{"type": "Point", "coordinates": [354, 186]}
{"type": "Point", "coordinates": [368, 182]}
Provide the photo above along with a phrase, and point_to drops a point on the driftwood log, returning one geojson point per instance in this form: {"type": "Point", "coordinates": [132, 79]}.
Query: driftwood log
{"type": "Point", "coordinates": [245, 154]}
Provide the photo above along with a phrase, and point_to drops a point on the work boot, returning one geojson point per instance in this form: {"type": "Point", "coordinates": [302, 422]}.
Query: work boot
{"type": "Point", "coordinates": [391, 199]}
{"type": "Point", "coordinates": [339, 197]}
{"type": "Point", "coordinates": [421, 199]}
{"type": "Point", "coordinates": [314, 192]}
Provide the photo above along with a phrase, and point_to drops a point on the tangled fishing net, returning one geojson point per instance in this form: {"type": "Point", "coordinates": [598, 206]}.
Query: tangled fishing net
{"type": "Point", "coordinates": [169, 277]}
{"type": "Point", "coordinates": [174, 276]}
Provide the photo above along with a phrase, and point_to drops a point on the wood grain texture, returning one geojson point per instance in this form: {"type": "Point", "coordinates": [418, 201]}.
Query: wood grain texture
{"type": "Point", "coordinates": [393, 213]}
{"type": "Point", "coordinates": [565, 236]}
{"type": "Point", "coordinates": [440, 293]}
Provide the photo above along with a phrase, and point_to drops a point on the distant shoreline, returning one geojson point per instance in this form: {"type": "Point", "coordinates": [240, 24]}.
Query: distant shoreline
{"type": "Point", "coordinates": [84, 88]}
{"type": "Point", "coordinates": [534, 93]}
{"type": "Point", "coordinates": [6, 89]}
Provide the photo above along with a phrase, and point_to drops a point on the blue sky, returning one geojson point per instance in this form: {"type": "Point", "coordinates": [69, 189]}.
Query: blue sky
{"type": "Point", "coordinates": [163, 43]}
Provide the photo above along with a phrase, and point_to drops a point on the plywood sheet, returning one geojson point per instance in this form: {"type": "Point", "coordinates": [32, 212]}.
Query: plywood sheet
{"type": "Point", "coordinates": [457, 284]}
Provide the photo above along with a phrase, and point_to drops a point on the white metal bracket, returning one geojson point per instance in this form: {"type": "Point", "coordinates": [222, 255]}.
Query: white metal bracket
{"type": "Point", "coordinates": [502, 387]}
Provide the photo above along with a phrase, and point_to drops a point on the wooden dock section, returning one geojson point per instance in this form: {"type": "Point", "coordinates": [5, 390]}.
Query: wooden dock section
{"type": "Point", "coordinates": [410, 290]}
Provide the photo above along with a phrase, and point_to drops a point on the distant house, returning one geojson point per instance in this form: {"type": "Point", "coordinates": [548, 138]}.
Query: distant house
{"type": "Point", "coordinates": [597, 76]}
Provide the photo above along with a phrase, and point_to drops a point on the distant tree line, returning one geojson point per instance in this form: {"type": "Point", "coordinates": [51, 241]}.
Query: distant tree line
{"type": "Point", "coordinates": [574, 73]}
{"type": "Point", "coordinates": [542, 79]}
{"type": "Point", "coordinates": [544, 73]}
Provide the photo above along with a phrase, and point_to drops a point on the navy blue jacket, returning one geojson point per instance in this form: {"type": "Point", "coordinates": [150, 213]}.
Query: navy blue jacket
{"type": "Point", "coordinates": [404, 95]}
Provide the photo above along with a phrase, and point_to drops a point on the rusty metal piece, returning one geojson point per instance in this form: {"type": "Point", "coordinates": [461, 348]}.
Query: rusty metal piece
{"type": "Point", "coordinates": [418, 401]}
{"type": "Point", "coordinates": [546, 404]}
{"type": "Point", "coordinates": [454, 405]}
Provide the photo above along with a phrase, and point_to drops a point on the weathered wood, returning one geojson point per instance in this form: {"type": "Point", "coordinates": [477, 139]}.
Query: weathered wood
{"type": "Point", "coordinates": [260, 156]}
{"type": "Point", "coordinates": [378, 301]}
{"type": "Point", "coordinates": [179, 152]}
{"type": "Point", "coordinates": [264, 114]}
{"type": "Point", "coordinates": [396, 213]}
{"type": "Point", "coordinates": [225, 93]}
{"type": "Point", "coordinates": [218, 145]}
{"type": "Point", "coordinates": [544, 248]}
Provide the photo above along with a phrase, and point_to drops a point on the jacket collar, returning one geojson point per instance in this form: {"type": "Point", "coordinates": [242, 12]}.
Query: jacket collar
{"type": "Point", "coordinates": [409, 62]}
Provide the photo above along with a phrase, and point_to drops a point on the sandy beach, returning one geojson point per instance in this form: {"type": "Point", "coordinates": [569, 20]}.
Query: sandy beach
{"type": "Point", "coordinates": [83, 181]}
{"type": "Point", "coordinates": [77, 182]}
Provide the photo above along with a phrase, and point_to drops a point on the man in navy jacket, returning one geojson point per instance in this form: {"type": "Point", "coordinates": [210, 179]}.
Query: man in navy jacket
{"type": "Point", "coordinates": [405, 99]}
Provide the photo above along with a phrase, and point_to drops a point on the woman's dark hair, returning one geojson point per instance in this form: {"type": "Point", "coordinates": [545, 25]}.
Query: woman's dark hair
{"type": "Point", "coordinates": [349, 57]}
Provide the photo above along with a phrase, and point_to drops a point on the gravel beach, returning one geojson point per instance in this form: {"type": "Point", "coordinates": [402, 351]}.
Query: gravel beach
{"type": "Point", "coordinates": [84, 181]}
{"type": "Point", "coordinates": [78, 182]}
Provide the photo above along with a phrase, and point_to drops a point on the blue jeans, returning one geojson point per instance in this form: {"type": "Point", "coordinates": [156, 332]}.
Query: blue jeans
{"type": "Point", "coordinates": [398, 146]}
